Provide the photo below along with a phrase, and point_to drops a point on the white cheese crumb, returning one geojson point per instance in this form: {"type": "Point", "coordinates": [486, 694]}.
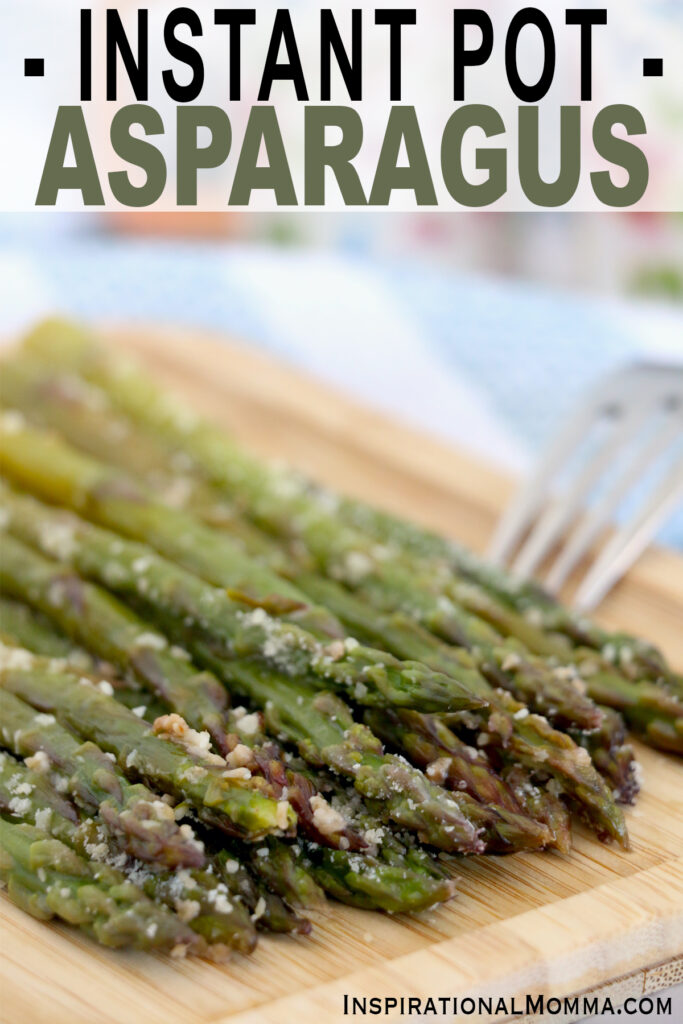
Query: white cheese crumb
{"type": "Point", "coordinates": [154, 641]}
{"type": "Point", "coordinates": [38, 762]}
{"type": "Point", "coordinates": [58, 539]}
{"type": "Point", "coordinates": [325, 818]}
{"type": "Point", "coordinates": [357, 566]}
{"type": "Point", "coordinates": [43, 719]}
{"type": "Point", "coordinates": [259, 909]}
{"type": "Point", "coordinates": [282, 815]}
{"type": "Point", "coordinates": [12, 422]}
{"type": "Point", "coordinates": [20, 806]}
{"type": "Point", "coordinates": [179, 652]}
{"type": "Point", "coordinates": [240, 757]}
{"type": "Point", "coordinates": [437, 771]}
{"type": "Point", "coordinates": [187, 910]}
{"type": "Point", "coordinates": [249, 724]}
{"type": "Point", "coordinates": [173, 727]}
{"type": "Point", "coordinates": [511, 661]}
{"type": "Point", "coordinates": [15, 657]}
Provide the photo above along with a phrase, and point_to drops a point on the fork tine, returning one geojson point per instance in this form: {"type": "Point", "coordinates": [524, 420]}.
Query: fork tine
{"type": "Point", "coordinates": [560, 514]}
{"type": "Point", "coordinates": [530, 496]}
{"type": "Point", "coordinates": [628, 543]}
{"type": "Point", "coordinates": [594, 520]}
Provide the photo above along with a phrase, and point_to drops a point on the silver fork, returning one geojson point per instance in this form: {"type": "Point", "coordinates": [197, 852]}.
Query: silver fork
{"type": "Point", "coordinates": [631, 422]}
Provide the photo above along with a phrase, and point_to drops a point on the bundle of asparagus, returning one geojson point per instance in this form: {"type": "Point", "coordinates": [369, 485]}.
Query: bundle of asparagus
{"type": "Point", "coordinates": [393, 696]}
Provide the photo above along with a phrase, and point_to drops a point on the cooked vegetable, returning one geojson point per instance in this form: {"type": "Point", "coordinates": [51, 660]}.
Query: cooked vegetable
{"type": "Point", "coordinates": [395, 700]}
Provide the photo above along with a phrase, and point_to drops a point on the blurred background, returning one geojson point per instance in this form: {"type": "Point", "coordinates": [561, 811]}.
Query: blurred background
{"type": "Point", "coordinates": [482, 328]}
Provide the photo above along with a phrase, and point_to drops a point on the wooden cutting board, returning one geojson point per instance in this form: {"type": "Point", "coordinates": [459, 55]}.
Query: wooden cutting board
{"type": "Point", "coordinates": [528, 923]}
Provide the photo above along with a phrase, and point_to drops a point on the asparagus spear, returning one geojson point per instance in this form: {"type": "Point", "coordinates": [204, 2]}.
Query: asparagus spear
{"type": "Point", "coordinates": [394, 585]}
{"type": "Point", "coordinates": [144, 824]}
{"type": "Point", "coordinates": [45, 464]}
{"type": "Point", "coordinates": [353, 879]}
{"type": "Point", "coordinates": [231, 804]}
{"type": "Point", "coordinates": [20, 626]}
{"type": "Point", "coordinates": [638, 658]}
{"type": "Point", "coordinates": [292, 878]}
{"type": "Point", "coordinates": [197, 896]}
{"type": "Point", "coordinates": [612, 755]}
{"type": "Point", "coordinates": [136, 572]}
{"type": "Point", "coordinates": [82, 414]}
{"type": "Point", "coordinates": [268, 910]}
{"type": "Point", "coordinates": [431, 745]}
{"type": "Point", "coordinates": [388, 585]}
{"type": "Point", "coordinates": [292, 881]}
{"type": "Point", "coordinates": [289, 506]}
{"type": "Point", "coordinates": [366, 882]}
{"type": "Point", "coordinates": [222, 461]}
{"type": "Point", "coordinates": [506, 724]}
{"type": "Point", "coordinates": [98, 622]}
{"type": "Point", "coordinates": [652, 712]}
{"type": "Point", "coordinates": [49, 880]}
{"type": "Point", "coordinates": [321, 725]}
{"type": "Point", "coordinates": [101, 623]}
{"type": "Point", "coordinates": [543, 802]}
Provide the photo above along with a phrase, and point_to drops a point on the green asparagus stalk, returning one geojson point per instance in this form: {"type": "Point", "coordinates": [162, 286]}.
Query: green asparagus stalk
{"type": "Point", "coordinates": [136, 572]}
{"type": "Point", "coordinates": [338, 551]}
{"type": "Point", "coordinates": [231, 804]}
{"type": "Point", "coordinates": [612, 755]}
{"type": "Point", "coordinates": [82, 414]}
{"type": "Point", "coordinates": [48, 880]}
{"type": "Point", "coordinates": [144, 825]}
{"type": "Point", "coordinates": [43, 463]}
{"type": "Point", "coordinates": [366, 882]}
{"type": "Point", "coordinates": [92, 615]}
{"type": "Point", "coordinates": [652, 712]}
{"type": "Point", "coordinates": [431, 745]}
{"type": "Point", "coordinates": [197, 896]}
{"type": "Point", "coordinates": [21, 626]}
{"type": "Point", "coordinates": [288, 506]}
{"type": "Point", "coordinates": [506, 725]}
{"type": "Point", "coordinates": [282, 870]}
{"type": "Point", "coordinates": [269, 911]}
{"type": "Point", "coordinates": [220, 460]}
{"type": "Point", "coordinates": [273, 862]}
{"type": "Point", "coordinates": [36, 579]}
{"type": "Point", "coordinates": [322, 727]}
{"type": "Point", "coordinates": [543, 613]}
{"type": "Point", "coordinates": [111, 631]}
{"type": "Point", "coordinates": [543, 802]}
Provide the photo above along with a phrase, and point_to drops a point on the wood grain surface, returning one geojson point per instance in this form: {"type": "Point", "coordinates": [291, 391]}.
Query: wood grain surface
{"type": "Point", "coordinates": [524, 923]}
